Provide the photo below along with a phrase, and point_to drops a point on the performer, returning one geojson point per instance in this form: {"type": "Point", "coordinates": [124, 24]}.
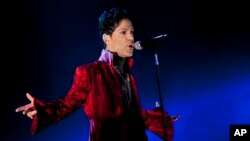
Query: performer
{"type": "Point", "coordinates": [106, 90]}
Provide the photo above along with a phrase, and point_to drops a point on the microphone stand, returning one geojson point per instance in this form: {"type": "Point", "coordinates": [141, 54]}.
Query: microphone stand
{"type": "Point", "coordinates": [159, 90]}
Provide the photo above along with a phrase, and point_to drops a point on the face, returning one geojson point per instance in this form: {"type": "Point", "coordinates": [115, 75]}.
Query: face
{"type": "Point", "coordinates": [122, 39]}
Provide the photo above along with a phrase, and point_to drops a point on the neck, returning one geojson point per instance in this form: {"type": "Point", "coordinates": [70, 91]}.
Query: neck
{"type": "Point", "coordinates": [119, 61]}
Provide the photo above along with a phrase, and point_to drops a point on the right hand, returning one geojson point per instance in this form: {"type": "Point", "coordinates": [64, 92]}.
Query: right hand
{"type": "Point", "coordinates": [28, 109]}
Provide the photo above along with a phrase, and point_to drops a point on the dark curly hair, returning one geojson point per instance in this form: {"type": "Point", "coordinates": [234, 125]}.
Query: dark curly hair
{"type": "Point", "coordinates": [110, 19]}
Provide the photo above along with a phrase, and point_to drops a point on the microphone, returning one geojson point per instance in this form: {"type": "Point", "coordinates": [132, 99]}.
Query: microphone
{"type": "Point", "coordinates": [140, 44]}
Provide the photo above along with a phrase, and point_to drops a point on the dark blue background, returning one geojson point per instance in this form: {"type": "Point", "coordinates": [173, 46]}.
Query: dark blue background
{"type": "Point", "coordinates": [204, 62]}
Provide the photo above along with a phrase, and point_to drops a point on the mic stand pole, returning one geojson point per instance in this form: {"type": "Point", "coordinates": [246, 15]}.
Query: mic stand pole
{"type": "Point", "coordinates": [159, 90]}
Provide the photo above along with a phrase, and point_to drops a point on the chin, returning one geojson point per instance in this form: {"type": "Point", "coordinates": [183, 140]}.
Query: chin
{"type": "Point", "coordinates": [130, 55]}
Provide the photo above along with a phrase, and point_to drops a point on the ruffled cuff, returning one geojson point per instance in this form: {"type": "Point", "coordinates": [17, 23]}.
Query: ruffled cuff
{"type": "Point", "coordinates": [154, 123]}
{"type": "Point", "coordinates": [37, 123]}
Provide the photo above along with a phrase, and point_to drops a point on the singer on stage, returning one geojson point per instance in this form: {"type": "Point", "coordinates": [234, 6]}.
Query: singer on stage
{"type": "Point", "coordinates": [106, 90]}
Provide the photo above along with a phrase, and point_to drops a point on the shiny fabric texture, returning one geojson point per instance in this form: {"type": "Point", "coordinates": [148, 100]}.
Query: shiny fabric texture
{"type": "Point", "coordinates": [97, 90]}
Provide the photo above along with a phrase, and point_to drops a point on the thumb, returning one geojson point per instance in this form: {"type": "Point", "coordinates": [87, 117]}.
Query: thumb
{"type": "Point", "coordinates": [157, 104]}
{"type": "Point", "coordinates": [31, 98]}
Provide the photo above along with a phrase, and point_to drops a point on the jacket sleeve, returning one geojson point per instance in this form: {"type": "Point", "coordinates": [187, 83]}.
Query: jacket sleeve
{"type": "Point", "coordinates": [154, 123]}
{"type": "Point", "coordinates": [49, 113]}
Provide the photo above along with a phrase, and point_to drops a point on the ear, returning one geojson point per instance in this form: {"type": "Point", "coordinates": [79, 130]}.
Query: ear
{"type": "Point", "coordinates": [105, 38]}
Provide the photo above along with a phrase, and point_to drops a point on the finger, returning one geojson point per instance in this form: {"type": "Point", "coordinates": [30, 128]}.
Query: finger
{"type": "Point", "coordinates": [22, 108]}
{"type": "Point", "coordinates": [31, 114]}
{"type": "Point", "coordinates": [29, 97]}
{"type": "Point", "coordinates": [27, 111]}
{"type": "Point", "coordinates": [176, 117]}
{"type": "Point", "coordinates": [157, 104]}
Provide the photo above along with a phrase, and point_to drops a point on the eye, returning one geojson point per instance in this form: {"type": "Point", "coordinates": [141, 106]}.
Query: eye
{"type": "Point", "coordinates": [132, 32]}
{"type": "Point", "coordinates": [123, 32]}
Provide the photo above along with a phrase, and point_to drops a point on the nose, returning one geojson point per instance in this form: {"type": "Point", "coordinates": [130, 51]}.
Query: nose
{"type": "Point", "coordinates": [131, 37]}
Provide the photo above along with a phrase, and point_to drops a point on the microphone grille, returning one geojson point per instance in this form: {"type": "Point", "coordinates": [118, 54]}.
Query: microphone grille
{"type": "Point", "coordinates": [137, 45]}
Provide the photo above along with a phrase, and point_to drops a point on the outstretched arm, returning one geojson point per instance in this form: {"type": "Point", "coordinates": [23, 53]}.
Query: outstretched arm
{"type": "Point", "coordinates": [44, 114]}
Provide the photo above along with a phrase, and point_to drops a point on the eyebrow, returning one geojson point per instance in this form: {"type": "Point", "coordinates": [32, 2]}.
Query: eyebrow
{"type": "Point", "coordinates": [124, 28]}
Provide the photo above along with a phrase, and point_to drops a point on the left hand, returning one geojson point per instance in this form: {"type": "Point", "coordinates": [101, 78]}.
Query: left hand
{"type": "Point", "coordinates": [174, 118]}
